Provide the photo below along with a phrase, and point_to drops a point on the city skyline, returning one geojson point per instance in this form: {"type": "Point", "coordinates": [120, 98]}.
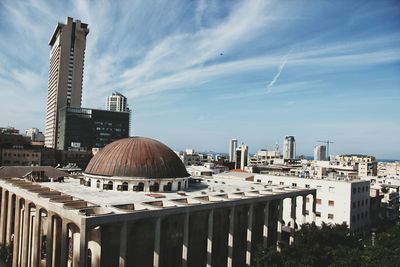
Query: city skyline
{"type": "Point", "coordinates": [255, 71]}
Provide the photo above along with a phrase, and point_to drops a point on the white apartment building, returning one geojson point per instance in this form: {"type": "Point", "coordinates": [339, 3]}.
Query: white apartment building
{"type": "Point", "coordinates": [242, 155]}
{"type": "Point", "coordinates": [289, 147]}
{"type": "Point", "coordinates": [117, 102]}
{"type": "Point", "coordinates": [265, 157]}
{"type": "Point", "coordinates": [320, 152]}
{"type": "Point", "coordinates": [232, 150]}
{"type": "Point", "coordinates": [337, 201]}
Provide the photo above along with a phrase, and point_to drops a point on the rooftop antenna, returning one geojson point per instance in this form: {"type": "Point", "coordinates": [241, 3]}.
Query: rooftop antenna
{"type": "Point", "coordinates": [276, 147]}
{"type": "Point", "coordinates": [327, 142]}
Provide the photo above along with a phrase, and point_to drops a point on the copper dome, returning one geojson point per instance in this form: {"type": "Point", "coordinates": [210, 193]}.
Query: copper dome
{"type": "Point", "coordinates": [137, 157]}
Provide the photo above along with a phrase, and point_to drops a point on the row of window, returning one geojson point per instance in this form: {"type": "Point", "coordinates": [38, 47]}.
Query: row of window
{"type": "Point", "coordinates": [140, 187]}
{"type": "Point", "coordinates": [318, 214]}
{"type": "Point", "coordinates": [360, 203]}
{"type": "Point", "coordinates": [20, 155]}
{"type": "Point", "coordinates": [360, 189]}
{"type": "Point", "coordinates": [359, 216]}
{"type": "Point", "coordinates": [319, 201]}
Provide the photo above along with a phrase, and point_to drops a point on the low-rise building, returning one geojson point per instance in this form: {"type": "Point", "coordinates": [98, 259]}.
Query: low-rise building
{"type": "Point", "coordinates": [338, 201]}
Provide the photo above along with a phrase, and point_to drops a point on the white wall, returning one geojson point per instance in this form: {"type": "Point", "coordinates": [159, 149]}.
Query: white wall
{"type": "Point", "coordinates": [340, 192]}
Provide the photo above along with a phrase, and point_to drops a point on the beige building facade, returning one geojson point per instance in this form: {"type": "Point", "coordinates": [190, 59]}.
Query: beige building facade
{"type": "Point", "coordinates": [67, 54]}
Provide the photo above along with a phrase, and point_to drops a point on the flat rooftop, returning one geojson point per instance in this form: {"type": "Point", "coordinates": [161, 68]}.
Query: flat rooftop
{"type": "Point", "coordinates": [86, 201]}
{"type": "Point", "coordinates": [210, 187]}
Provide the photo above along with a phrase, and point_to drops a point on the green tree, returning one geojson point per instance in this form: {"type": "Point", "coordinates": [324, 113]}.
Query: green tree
{"type": "Point", "coordinates": [328, 245]}
{"type": "Point", "coordinates": [385, 251]}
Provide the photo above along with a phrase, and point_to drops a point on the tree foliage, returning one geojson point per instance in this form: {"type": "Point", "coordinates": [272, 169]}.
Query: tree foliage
{"type": "Point", "coordinates": [334, 246]}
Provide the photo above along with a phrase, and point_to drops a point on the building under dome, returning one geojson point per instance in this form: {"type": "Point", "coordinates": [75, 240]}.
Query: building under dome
{"type": "Point", "coordinates": [213, 222]}
{"type": "Point", "coordinates": [136, 164]}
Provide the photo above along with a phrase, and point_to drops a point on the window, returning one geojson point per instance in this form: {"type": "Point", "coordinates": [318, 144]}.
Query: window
{"type": "Point", "coordinates": [307, 199]}
{"type": "Point", "coordinates": [366, 201]}
{"type": "Point", "coordinates": [294, 184]}
{"type": "Point", "coordinates": [269, 182]}
{"type": "Point", "coordinates": [330, 216]}
{"type": "Point", "coordinates": [258, 181]}
{"type": "Point", "coordinates": [362, 202]}
{"type": "Point", "coordinates": [281, 183]}
{"type": "Point", "coordinates": [124, 186]}
{"type": "Point", "coordinates": [354, 190]}
{"type": "Point", "coordinates": [353, 218]}
{"type": "Point", "coordinates": [98, 184]}
{"type": "Point", "coordinates": [358, 203]}
{"type": "Point", "coordinates": [307, 186]}
{"type": "Point", "coordinates": [359, 190]}
{"type": "Point", "coordinates": [318, 214]}
{"type": "Point", "coordinates": [331, 203]}
{"type": "Point", "coordinates": [354, 205]}
{"type": "Point", "coordinates": [331, 189]}
{"type": "Point", "coordinates": [307, 212]}
{"type": "Point", "coordinates": [319, 201]}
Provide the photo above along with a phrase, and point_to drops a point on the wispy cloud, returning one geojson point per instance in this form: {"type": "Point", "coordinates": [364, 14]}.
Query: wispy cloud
{"type": "Point", "coordinates": [155, 50]}
{"type": "Point", "coordinates": [280, 69]}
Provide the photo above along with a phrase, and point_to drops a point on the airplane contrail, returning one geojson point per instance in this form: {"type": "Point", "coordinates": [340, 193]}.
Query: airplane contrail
{"type": "Point", "coordinates": [280, 69]}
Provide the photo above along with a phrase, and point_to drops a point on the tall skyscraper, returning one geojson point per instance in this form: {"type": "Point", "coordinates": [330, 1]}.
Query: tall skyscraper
{"type": "Point", "coordinates": [320, 152]}
{"type": "Point", "coordinates": [289, 147]}
{"type": "Point", "coordinates": [232, 150]}
{"type": "Point", "coordinates": [67, 54]}
{"type": "Point", "coordinates": [242, 155]}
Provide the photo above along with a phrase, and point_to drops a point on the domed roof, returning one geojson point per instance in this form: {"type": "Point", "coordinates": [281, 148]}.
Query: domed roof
{"type": "Point", "coordinates": [137, 157]}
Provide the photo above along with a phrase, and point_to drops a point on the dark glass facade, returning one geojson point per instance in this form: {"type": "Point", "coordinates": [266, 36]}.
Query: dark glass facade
{"type": "Point", "coordinates": [90, 128]}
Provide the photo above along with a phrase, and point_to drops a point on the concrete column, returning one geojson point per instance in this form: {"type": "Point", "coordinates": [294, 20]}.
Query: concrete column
{"type": "Point", "coordinates": [185, 244]}
{"type": "Point", "coordinates": [210, 237]}
{"type": "Point", "coordinates": [3, 216]}
{"type": "Point", "coordinates": [83, 251]}
{"type": "Point", "coordinates": [16, 231]}
{"type": "Point", "coordinates": [230, 237]}
{"type": "Point", "coordinates": [266, 222]}
{"type": "Point", "coordinates": [64, 244]}
{"type": "Point", "coordinates": [9, 218]}
{"type": "Point", "coordinates": [157, 237]}
{"type": "Point", "coordinates": [292, 220]}
{"type": "Point", "coordinates": [279, 228]}
{"type": "Point", "coordinates": [49, 239]}
{"type": "Point", "coordinates": [36, 238]}
{"type": "Point", "coordinates": [25, 234]}
{"type": "Point", "coordinates": [146, 186]}
{"type": "Point", "coordinates": [122, 245]}
{"type": "Point", "coordinates": [314, 208]}
{"type": "Point", "coordinates": [303, 210]}
{"type": "Point", "coordinates": [249, 232]}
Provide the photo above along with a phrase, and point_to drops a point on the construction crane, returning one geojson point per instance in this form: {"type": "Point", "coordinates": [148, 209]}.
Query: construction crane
{"type": "Point", "coordinates": [327, 142]}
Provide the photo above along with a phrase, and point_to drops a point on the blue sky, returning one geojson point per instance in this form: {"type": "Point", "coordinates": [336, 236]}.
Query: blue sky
{"type": "Point", "coordinates": [313, 69]}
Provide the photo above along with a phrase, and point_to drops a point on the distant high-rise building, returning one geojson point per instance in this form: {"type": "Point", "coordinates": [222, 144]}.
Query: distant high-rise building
{"type": "Point", "coordinates": [320, 152]}
{"type": "Point", "coordinates": [67, 54]}
{"type": "Point", "coordinates": [242, 155]}
{"type": "Point", "coordinates": [35, 135]}
{"type": "Point", "coordinates": [117, 102]}
{"type": "Point", "coordinates": [232, 150]}
{"type": "Point", "coordinates": [289, 147]}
